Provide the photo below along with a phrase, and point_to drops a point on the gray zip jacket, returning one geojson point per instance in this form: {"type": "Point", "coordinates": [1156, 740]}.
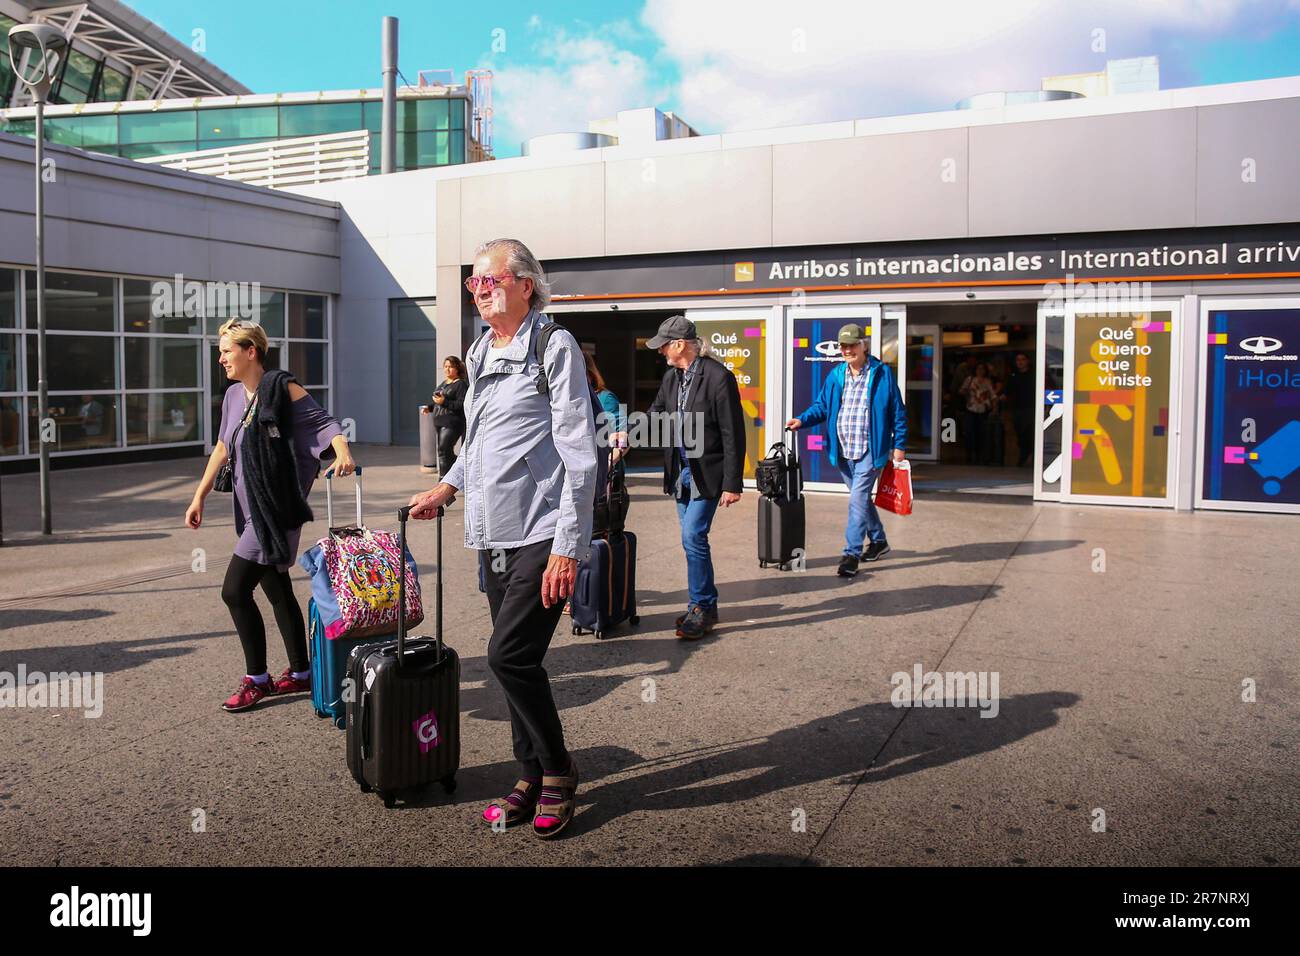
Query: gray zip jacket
{"type": "Point", "coordinates": [528, 466]}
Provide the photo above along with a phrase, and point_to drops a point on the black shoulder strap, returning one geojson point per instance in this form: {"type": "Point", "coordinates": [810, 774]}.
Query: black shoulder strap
{"type": "Point", "coordinates": [541, 336]}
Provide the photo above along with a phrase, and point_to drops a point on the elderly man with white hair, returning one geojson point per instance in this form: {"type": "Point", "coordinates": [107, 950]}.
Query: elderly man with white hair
{"type": "Point", "coordinates": [527, 471]}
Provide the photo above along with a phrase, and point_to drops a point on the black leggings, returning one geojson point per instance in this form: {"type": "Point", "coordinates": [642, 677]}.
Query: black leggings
{"type": "Point", "coordinates": [242, 578]}
{"type": "Point", "coordinates": [447, 438]}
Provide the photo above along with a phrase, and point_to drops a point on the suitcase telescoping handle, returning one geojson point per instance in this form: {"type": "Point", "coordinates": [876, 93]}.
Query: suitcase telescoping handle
{"type": "Point", "coordinates": [402, 515]}
{"type": "Point", "coordinates": [329, 497]}
{"type": "Point", "coordinates": [792, 458]}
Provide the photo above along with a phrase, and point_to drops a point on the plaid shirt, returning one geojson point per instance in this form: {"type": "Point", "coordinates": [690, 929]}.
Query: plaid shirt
{"type": "Point", "coordinates": [854, 415]}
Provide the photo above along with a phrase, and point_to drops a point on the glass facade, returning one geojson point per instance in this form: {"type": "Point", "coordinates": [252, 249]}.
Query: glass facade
{"type": "Point", "coordinates": [128, 367]}
{"type": "Point", "coordinates": [7, 78]}
{"type": "Point", "coordinates": [430, 130]}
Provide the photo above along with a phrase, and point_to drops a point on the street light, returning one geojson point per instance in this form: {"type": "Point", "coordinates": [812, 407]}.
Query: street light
{"type": "Point", "coordinates": [45, 45]}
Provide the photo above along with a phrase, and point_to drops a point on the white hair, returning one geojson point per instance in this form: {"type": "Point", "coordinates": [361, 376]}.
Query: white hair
{"type": "Point", "coordinates": [523, 264]}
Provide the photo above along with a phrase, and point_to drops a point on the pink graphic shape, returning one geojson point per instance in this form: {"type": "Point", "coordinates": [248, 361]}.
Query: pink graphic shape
{"type": "Point", "coordinates": [426, 731]}
{"type": "Point", "coordinates": [1234, 455]}
{"type": "Point", "coordinates": [754, 333]}
{"type": "Point", "coordinates": [1077, 451]}
{"type": "Point", "coordinates": [816, 442]}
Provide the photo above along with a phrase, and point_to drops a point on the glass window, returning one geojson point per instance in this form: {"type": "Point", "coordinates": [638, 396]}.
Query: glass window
{"type": "Point", "coordinates": [78, 77]}
{"type": "Point", "coordinates": [247, 122]}
{"type": "Point", "coordinates": [80, 422]}
{"type": "Point", "coordinates": [322, 396]}
{"type": "Point", "coordinates": [227, 143]}
{"type": "Point", "coordinates": [306, 316]}
{"type": "Point", "coordinates": [161, 363]}
{"type": "Point", "coordinates": [8, 362]}
{"type": "Point", "coordinates": [112, 87]}
{"type": "Point", "coordinates": [22, 127]}
{"type": "Point", "coordinates": [75, 362]}
{"type": "Point", "coordinates": [11, 419]}
{"type": "Point", "coordinates": [316, 118]}
{"type": "Point", "coordinates": [270, 314]}
{"type": "Point", "coordinates": [172, 126]}
{"type": "Point", "coordinates": [161, 418]}
{"type": "Point", "coordinates": [459, 109]}
{"type": "Point", "coordinates": [87, 132]}
{"type": "Point", "coordinates": [139, 304]}
{"type": "Point", "coordinates": [433, 113]}
{"type": "Point", "coordinates": [8, 299]}
{"type": "Point", "coordinates": [73, 302]}
{"type": "Point", "coordinates": [373, 113]}
{"type": "Point", "coordinates": [307, 362]}
{"type": "Point", "coordinates": [142, 150]}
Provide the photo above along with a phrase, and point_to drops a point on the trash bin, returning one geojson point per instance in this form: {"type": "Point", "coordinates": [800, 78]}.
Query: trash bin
{"type": "Point", "coordinates": [428, 442]}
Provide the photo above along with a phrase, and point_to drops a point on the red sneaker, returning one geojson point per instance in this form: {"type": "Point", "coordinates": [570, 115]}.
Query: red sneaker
{"type": "Point", "coordinates": [286, 683]}
{"type": "Point", "coordinates": [249, 694]}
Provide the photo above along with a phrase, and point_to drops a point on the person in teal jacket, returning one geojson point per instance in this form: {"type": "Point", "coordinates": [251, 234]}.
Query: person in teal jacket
{"type": "Point", "coordinates": [866, 422]}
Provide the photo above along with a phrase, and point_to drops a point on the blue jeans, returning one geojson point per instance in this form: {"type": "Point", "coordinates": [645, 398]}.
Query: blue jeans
{"type": "Point", "coordinates": [696, 517]}
{"type": "Point", "coordinates": [864, 520]}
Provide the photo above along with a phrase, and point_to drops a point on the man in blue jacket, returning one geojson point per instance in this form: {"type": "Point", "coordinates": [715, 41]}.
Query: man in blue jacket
{"type": "Point", "coordinates": [865, 417]}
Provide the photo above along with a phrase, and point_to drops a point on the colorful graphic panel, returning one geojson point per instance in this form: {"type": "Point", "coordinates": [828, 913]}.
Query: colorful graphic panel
{"type": "Point", "coordinates": [1252, 406]}
{"type": "Point", "coordinates": [741, 345]}
{"type": "Point", "coordinates": [1121, 405]}
{"type": "Point", "coordinates": [814, 352]}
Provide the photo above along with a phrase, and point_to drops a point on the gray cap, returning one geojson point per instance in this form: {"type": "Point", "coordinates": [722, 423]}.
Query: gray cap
{"type": "Point", "coordinates": [673, 327]}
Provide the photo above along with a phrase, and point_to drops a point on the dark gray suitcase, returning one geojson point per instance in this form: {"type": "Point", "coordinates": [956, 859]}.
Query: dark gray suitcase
{"type": "Point", "coordinates": [404, 710]}
{"type": "Point", "coordinates": [781, 526]}
{"type": "Point", "coordinates": [604, 594]}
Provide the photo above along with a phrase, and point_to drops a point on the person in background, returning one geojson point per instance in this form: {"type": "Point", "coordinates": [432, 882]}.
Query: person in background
{"type": "Point", "coordinates": [615, 414]}
{"type": "Point", "coordinates": [448, 411]}
{"type": "Point", "coordinates": [1020, 398]}
{"type": "Point", "coordinates": [866, 422]}
{"type": "Point", "coordinates": [980, 398]}
{"type": "Point", "coordinates": [275, 435]}
{"type": "Point", "coordinates": [703, 393]}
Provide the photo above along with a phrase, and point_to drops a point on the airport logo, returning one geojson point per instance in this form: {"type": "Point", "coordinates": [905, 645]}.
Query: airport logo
{"type": "Point", "coordinates": [946, 689]}
{"type": "Point", "coordinates": [76, 909]}
{"type": "Point", "coordinates": [1260, 344]}
{"type": "Point", "coordinates": [744, 272]}
{"type": "Point", "coordinates": [829, 348]}
{"type": "Point", "coordinates": [426, 731]}
{"type": "Point", "coordinates": [58, 689]}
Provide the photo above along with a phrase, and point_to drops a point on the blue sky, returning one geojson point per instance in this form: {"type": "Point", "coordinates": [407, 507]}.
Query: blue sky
{"type": "Point", "coordinates": [726, 65]}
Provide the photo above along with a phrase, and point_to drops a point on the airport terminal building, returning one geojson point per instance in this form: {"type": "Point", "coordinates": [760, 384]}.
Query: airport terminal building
{"type": "Point", "coordinates": [1142, 251]}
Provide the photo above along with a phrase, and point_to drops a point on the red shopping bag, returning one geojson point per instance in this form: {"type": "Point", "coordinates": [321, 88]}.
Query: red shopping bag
{"type": "Point", "coordinates": [894, 493]}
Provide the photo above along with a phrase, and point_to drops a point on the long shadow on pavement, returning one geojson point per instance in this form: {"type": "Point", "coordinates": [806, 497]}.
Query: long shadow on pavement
{"type": "Point", "coordinates": [109, 657]}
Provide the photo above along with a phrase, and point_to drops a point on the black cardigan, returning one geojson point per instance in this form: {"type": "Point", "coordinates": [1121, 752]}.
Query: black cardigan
{"type": "Point", "coordinates": [719, 465]}
{"type": "Point", "coordinates": [451, 414]}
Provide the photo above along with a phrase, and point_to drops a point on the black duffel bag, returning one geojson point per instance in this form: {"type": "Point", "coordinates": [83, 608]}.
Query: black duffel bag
{"type": "Point", "coordinates": [778, 475]}
{"type": "Point", "coordinates": [612, 503]}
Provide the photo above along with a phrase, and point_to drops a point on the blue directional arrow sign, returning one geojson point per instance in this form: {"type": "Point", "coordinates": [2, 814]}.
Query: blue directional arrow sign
{"type": "Point", "coordinates": [1052, 397]}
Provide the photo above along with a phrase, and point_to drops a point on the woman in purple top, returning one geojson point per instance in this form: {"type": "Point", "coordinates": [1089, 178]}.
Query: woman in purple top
{"type": "Point", "coordinates": [268, 515]}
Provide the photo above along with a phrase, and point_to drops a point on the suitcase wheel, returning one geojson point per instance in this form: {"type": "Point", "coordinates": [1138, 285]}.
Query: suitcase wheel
{"type": "Point", "coordinates": [576, 630]}
{"type": "Point", "coordinates": [365, 787]}
{"type": "Point", "coordinates": [341, 722]}
{"type": "Point", "coordinates": [390, 800]}
{"type": "Point", "coordinates": [449, 783]}
{"type": "Point", "coordinates": [319, 714]}
{"type": "Point", "coordinates": [762, 564]}
{"type": "Point", "coordinates": [634, 619]}
{"type": "Point", "coordinates": [600, 635]}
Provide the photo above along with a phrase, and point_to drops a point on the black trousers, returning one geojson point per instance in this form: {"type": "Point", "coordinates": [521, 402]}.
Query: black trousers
{"type": "Point", "coordinates": [242, 578]}
{"type": "Point", "coordinates": [521, 633]}
{"type": "Point", "coordinates": [447, 438]}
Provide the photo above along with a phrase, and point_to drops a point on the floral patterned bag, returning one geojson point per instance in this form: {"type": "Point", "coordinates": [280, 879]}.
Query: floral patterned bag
{"type": "Point", "coordinates": [354, 583]}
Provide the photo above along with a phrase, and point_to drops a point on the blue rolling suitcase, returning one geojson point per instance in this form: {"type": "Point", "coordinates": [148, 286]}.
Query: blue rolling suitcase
{"type": "Point", "coordinates": [604, 595]}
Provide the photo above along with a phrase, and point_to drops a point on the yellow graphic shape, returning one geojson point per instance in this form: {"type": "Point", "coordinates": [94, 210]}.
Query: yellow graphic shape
{"type": "Point", "coordinates": [1087, 416]}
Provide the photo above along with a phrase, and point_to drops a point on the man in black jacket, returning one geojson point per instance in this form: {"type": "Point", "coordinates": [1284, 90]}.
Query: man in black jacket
{"type": "Point", "coordinates": [704, 462]}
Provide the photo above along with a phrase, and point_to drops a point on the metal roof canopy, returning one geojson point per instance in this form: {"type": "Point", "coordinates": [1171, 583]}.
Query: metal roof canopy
{"type": "Point", "coordinates": [159, 62]}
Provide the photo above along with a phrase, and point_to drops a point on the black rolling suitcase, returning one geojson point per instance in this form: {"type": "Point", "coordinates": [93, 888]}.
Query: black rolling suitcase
{"type": "Point", "coordinates": [404, 709]}
{"type": "Point", "coordinates": [604, 594]}
{"type": "Point", "coordinates": [781, 526]}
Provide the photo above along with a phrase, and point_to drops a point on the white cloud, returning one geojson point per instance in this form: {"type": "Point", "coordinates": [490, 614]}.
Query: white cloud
{"type": "Point", "coordinates": [774, 63]}
{"type": "Point", "coordinates": [570, 79]}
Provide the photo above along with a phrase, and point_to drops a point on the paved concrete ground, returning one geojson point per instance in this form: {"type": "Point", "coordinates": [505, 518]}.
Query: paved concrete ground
{"type": "Point", "coordinates": [1121, 691]}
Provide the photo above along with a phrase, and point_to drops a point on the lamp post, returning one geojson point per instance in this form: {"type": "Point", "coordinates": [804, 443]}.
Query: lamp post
{"type": "Point", "coordinates": [45, 44]}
